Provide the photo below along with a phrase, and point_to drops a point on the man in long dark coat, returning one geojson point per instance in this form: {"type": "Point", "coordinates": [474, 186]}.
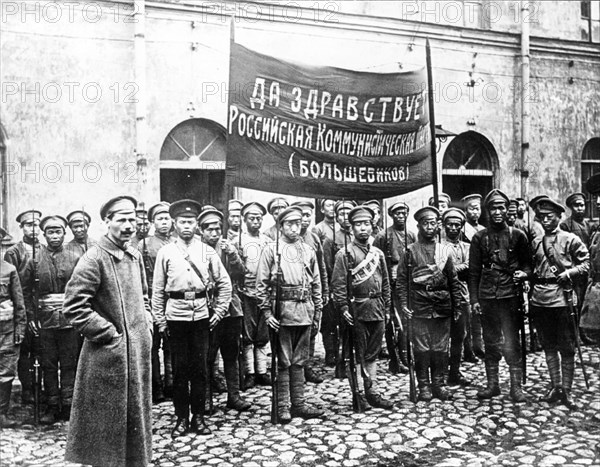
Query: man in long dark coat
{"type": "Point", "coordinates": [106, 301]}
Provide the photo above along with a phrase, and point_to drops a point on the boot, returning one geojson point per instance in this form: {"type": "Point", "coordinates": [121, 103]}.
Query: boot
{"type": "Point", "coordinates": [568, 372]}
{"type": "Point", "coordinates": [263, 379]}
{"type": "Point", "coordinates": [249, 381]}
{"type": "Point", "coordinates": [311, 376]}
{"type": "Point", "coordinates": [232, 380]}
{"type": "Point", "coordinates": [5, 420]}
{"type": "Point", "coordinates": [198, 425]}
{"type": "Point", "coordinates": [283, 396]}
{"type": "Point", "coordinates": [182, 427]}
{"type": "Point", "coordinates": [555, 393]}
{"type": "Point", "coordinates": [455, 377]}
{"type": "Point", "coordinates": [299, 406]}
{"type": "Point", "coordinates": [516, 392]}
{"type": "Point", "coordinates": [477, 336]}
{"type": "Point", "coordinates": [422, 373]}
{"type": "Point", "coordinates": [376, 400]}
{"type": "Point", "coordinates": [65, 412]}
{"type": "Point", "coordinates": [439, 365]}
{"type": "Point", "coordinates": [493, 382]}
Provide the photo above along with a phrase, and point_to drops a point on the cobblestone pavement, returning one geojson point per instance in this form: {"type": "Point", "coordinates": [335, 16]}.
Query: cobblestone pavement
{"type": "Point", "coordinates": [463, 431]}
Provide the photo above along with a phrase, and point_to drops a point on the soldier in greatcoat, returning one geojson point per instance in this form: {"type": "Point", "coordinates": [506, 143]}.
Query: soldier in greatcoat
{"type": "Point", "coordinates": [498, 263]}
{"type": "Point", "coordinates": [560, 259]}
{"type": "Point", "coordinates": [368, 309]}
{"type": "Point", "coordinates": [472, 208]}
{"type": "Point", "coordinates": [292, 271]}
{"type": "Point", "coordinates": [274, 207]}
{"type": "Point", "coordinates": [428, 271]}
{"type": "Point", "coordinates": [106, 300]}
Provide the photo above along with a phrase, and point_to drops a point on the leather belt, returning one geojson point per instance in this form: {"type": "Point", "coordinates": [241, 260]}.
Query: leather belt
{"type": "Point", "coordinates": [497, 267]}
{"type": "Point", "coordinates": [191, 295]}
{"type": "Point", "coordinates": [428, 287]}
{"type": "Point", "coordinates": [368, 295]}
{"type": "Point", "coordinates": [293, 294]}
{"type": "Point", "coordinates": [544, 280]}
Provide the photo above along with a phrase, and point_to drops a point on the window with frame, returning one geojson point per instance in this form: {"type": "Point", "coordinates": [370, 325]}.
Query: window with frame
{"type": "Point", "coordinates": [590, 165]}
{"type": "Point", "coordinates": [590, 20]}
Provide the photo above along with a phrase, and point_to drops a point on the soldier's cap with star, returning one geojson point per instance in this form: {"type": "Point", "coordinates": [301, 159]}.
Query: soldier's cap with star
{"type": "Point", "coordinates": [547, 205]}
{"type": "Point", "coordinates": [234, 206]}
{"type": "Point", "coordinates": [572, 198]}
{"type": "Point", "coordinates": [344, 204]}
{"type": "Point", "coordinates": [185, 208]}
{"type": "Point", "coordinates": [304, 205]}
{"type": "Point", "coordinates": [441, 196]}
{"type": "Point", "coordinates": [291, 213]}
{"type": "Point", "coordinates": [277, 202]}
{"type": "Point", "coordinates": [535, 200]}
{"type": "Point", "coordinates": [496, 196]}
{"type": "Point", "coordinates": [360, 214]}
{"type": "Point", "coordinates": [3, 233]}
{"type": "Point", "coordinates": [253, 208]}
{"type": "Point", "coordinates": [426, 211]}
{"type": "Point", "coordinates": [209, 216]}
{"type": "Point", "coordinates": [79, 215]}
{"type": "Point", "coordinates": [474, 197]}
{"type": "Point", "coordinates": [53, 221]}
{"type": "Point", "coordinates": [398, 205]}
{"type": "Point", "coordinates": [158, 208]}
{"type": "Point", "coordinates": [28, 216]}
{"type": "Point", "coordinates": [592, 184]}
{"type": "Point", "coordinates": [120, 203]}
{"type": "Point", "coordinates": [454, 213]}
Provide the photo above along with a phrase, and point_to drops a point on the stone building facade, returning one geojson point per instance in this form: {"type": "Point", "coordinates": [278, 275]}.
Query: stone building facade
{"type": "Point", "coordinates": [101, 98]}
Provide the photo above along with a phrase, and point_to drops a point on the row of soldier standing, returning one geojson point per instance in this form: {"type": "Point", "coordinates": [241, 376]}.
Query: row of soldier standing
{"type": "Point", "coordinates": [438, 298]}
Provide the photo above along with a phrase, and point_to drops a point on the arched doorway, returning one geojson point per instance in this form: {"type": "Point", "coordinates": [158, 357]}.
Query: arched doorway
{"type": "Point", "coordinates": [590, 165]}
{"type": "Point", "coordinates": [192, 163]}
{"type": "Point", "coordinates": [469, 165]}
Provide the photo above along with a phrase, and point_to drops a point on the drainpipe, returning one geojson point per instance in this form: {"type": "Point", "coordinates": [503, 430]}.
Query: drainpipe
{"type": "Point", "coordinates": [139, 51]}
{"type": "Point", "coordinates": [525, 96]}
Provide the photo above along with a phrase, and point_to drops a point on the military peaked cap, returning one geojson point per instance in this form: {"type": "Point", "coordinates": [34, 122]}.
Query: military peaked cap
{"type": "Point", "coordinates": [185, 208]}
{"type": "Point", "coordinates": [208, 216]}
{"type": "Point", "coordinates": [398, 205]}
{"type": "Point", "coordinates": [291, 213]}
{"type": "Point", "coordinates": [536, 199]}
{"type": "Point", "coordinates": [116, 204]}
{"type": "Point", "coordinates": [344, 204]}
{"type": "Point", "coordinates": [29, 216]}
{"type": "Point", "coordinates": [549, 205]}
{"type": "Point", "coordinates": [253, 207]}
{"type": "Point", "coordinates": [470, 198]}
{"type": "Point", "coordinates": [276, 203]}
{"type": "Point", "coordinates": [234, 205]}
{"type": "Point", "coordinates": [426, 211]}
{"type": "Point", "coordinates": [441, 196]}
{"type": "Point", "coordinates": [574, 197]}
{"type": "Point", "coordinates": [53, 221]}
{"type": "Point", "coordinates": [496, 196]}
{"type": "Point", "coordinates": [361, 213]}
{"type": "Point", "coordinates": [592, 184]}
{"type": "Point", "coordinates": [304, 205]}
{"type": "Point", "coordinates": [157, 209]}
{"type": "Point", "coordinates": [454, 213]}
{"type": "Point", "coordinates": [79, 215]}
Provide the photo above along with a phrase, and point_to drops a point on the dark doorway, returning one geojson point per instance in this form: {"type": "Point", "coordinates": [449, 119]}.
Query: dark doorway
{"type": "Point", "coordinates": [459, 186]}
{"type": "Point", "coordinates": [204, 186]}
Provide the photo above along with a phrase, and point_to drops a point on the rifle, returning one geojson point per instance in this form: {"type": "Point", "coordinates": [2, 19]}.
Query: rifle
{"type": "Point", "coordinates": [339, 364]}
{"type": "Point", "coordinates": [243, 329]}
{"type": "Point", "coordinates": [524, 312]}
{"type": "Point", "coordinates": [357, 402]}
{"type": "Point", "coordinates": [37, 374]}
{"type": "Point", "coordinates": [275, 337]}
{"type": "Point", "coordinates": [410, 358]}
{"type": "Point", "coordinates": [393, 331]}
{"type": "Point", "coordinates": [210, 302]}
{"type": "Point", "coordinates": [556, 267]}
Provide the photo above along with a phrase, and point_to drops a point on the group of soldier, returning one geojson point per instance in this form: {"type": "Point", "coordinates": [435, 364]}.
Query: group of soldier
{"type": "Point", "coordinates": [453, 291]}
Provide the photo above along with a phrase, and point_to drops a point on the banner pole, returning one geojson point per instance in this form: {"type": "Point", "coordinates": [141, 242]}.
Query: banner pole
{"type": "Point", "coordinates": [434, 162]}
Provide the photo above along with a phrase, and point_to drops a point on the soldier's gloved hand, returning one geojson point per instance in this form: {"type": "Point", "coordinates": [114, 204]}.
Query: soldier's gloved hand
{"type": "Point", "coordinates": [273, 323]}
{"type": "Point", "coordinates": [407, 312]}
{"type": "Point", "coordinates": [33, 328]}
{"type": "Point", "coordinates": [563, 279]}
{"type": "Point", "coordinates": [519, 276]}
{"type": "Point", "coordinates": [476, 308]}
{"type": "Point", "coordinates": [214, 320]}
{"type": "Point", "coordinates": [164, 332]}
{"type": "Point", "coordinates": [348, 317]}
{"type": "Point", "coordinates": [456, 315]}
